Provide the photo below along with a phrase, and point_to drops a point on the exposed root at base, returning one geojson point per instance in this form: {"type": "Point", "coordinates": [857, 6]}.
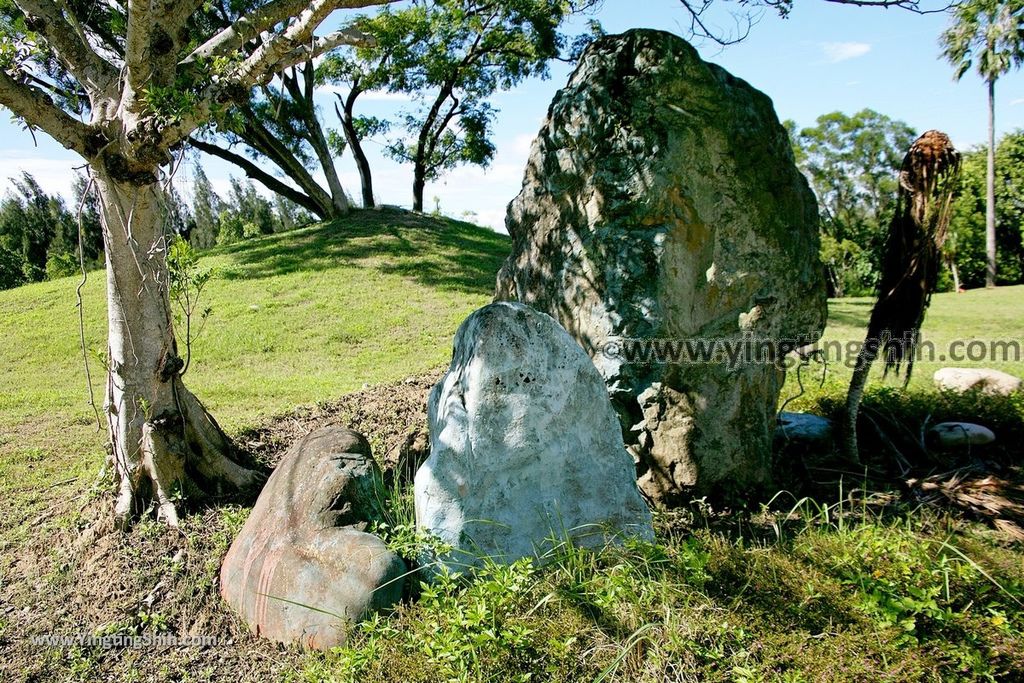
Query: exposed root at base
{"type": "Point", "coordinates": [181, 455]}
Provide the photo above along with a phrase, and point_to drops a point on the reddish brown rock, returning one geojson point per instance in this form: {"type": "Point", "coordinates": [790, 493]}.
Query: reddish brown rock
{"type": "Point", "coordinates": [302, 570]}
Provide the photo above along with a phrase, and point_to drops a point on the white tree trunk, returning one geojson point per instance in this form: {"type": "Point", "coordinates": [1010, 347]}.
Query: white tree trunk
{"type": "Point", "coordinates": [164, 445]}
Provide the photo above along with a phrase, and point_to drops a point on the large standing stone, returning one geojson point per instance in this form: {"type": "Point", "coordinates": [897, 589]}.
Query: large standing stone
{"type": "Point", "coordinates": [302, 569]}
{"type": "Point", "coordinates": [524, 445]}
{"type": "Point", "coordinates": [661, 200]}
{"type": "Point", "coordinates": [986, 380]}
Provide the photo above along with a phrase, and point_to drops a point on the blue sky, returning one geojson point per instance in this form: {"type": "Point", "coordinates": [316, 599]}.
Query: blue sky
{"type": "Point", "coordinates": [823, 58]}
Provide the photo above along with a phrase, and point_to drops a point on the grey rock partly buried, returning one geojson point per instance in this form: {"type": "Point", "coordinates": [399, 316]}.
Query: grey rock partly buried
{"type": "Point", "coordinates": [524, 445]}
{"type": "Point", "coordinates": [952, 435]}
{"type": "Point", "coordinates": [302, 569]}
{"type": "Point", "coordinates": [986, 380]}
{"type": "Point", "coordinates": [661, 200]}
{"type": "Point", "coordinates": [804, 429]}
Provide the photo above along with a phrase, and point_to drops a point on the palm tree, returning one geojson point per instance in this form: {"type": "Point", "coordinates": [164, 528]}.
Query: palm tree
{"type": "Point", "coordinates": [988, 35]}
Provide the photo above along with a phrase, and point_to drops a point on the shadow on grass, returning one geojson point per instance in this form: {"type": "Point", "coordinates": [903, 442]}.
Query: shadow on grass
{"type": "Point", "coordinates": [436, 252]}
{"type": "Point", "coordinates": [850, 313]}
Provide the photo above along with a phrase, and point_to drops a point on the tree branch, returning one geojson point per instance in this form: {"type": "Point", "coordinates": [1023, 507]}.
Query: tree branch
{"type": "Point", "coordinates": [297, 44]}
{"type": "Point", "coordinates": [264, 18]}
{"type": "Point", "coordinates": [752, 11]}
{"type": "Point", "coordinates": [179, 11]}
{"type": "Point", "coordinates": [137, 44]}
{"type": "Point", "coordinates": [37, 109]}
{"type": "Point", "coordinates": [256, 173]}
{"type": "Point", "coordinates": [96, 75]}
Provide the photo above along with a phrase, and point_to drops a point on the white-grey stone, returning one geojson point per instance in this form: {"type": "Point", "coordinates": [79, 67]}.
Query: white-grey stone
{"type": "Point", "coordinates": [948, 435]}
{"type": "Point", "coordinates": [524, 445]}
{"type": "Point", "coordinates": [987, 380]}
{"type": "Point", "coordinates": [804, 428]}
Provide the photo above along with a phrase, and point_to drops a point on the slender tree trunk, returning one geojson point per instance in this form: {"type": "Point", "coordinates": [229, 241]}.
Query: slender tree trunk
{"type": "Point", "coordinates": [164, 444]}
{"type": "Point", "coordinates": [258, 137]}
{"type": "Point", "coordinates": [956, 276]}
{"type": "Point", "coordinates": [323, 153]}
{"type": "Point", "coordinates": [990, 194]}
{"type": "Point", "coordinates": [418, 186]}
{"type": "Point", "coordinates": [347, 116]}
{"type": "Point", "coordinates": [302, 96]}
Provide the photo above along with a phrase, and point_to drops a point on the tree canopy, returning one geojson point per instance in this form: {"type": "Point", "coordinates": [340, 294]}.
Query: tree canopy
{"type": "Point", "coordinates": [852, 163]}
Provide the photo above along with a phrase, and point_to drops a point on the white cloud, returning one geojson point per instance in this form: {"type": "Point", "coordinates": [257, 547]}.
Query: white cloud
{"type": "Point", "coordinates": [840, 52]}
{"type": "Point", "coordinates": [1019, 100]}
{"type": "Point", "coordinates": [522, 144]}
{"type": "Point", "coordinates": [55, 176]}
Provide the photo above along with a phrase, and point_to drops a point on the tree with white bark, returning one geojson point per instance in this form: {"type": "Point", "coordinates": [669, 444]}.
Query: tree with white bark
{"type": "Point", "coordinates": [124, 83]}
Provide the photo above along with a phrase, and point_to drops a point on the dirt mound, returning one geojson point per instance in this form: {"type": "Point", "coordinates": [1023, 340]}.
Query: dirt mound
{"type": "Point", "coordinates": [75, 575]}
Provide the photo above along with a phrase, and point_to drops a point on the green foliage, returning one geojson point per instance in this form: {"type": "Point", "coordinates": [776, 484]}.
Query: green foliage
{"type": "Point", "coordinates": [451, 56]}
{"type": "Point", "coordinates": [61, 264]}
{"type": "Point", "coordinates": [966, 243]}
{"type": "Point", "coordinates": [187, 282]}
{"type": "Point", "coordinates": [852, 163]}
{"type": "Point", "coordinates": [11, 272]}
{"type": "Point", "coordinates": [42, 234]}
{"type": "Point", "coordinates": [206, 209]}
{"type": "Point", "coordinates": [987, 35]}
{"type": "Point", "coordinates": [244, 215]}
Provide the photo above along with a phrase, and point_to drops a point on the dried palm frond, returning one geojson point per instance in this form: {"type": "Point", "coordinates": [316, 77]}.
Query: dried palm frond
{"type": "Point", "coordinates": [999, 500]}
{"type": "Point", "coordinates": [910, 265]}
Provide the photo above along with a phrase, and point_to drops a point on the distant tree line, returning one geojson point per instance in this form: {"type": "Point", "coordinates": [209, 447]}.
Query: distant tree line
{"type": "Point", "coordinates": [852, 161]}
{"type": "Point", "coordinates": [39, 232]}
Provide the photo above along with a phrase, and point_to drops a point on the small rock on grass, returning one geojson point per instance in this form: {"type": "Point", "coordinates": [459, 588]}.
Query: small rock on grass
{"type": "Point", "coordinates": [952, 435]}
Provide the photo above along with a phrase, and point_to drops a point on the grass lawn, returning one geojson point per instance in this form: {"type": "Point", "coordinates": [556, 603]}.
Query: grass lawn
{"type": "Point", "coordinates": [862, 588]}
{"type": "Point", "coordinates": [297, 318]}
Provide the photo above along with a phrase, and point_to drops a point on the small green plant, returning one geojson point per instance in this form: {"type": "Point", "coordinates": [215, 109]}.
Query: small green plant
{"type": "Point", "coordinates": [187, 282]}
{"type": "Point", "coordinates": [397, 526]}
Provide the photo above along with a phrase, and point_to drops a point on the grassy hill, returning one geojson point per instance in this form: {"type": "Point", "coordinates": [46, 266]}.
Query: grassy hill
{"type": "Point", "coordinates": [297, 318]}
{"type": "Point", "coordinates": [823, 592]}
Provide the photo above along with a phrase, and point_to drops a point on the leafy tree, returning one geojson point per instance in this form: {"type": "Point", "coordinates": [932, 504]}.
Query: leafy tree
{"type": "Point", "coordinates": [247, 214]}
{"type": "Point", "coordinates": [86, 207]}
{"type": "Point", "coordinates": [852, 164]}
{"type": "Point", "coordinates": [42, 234]}
{"type": "Point", "coordinates": [360, 72]}
{"type": "Point", "coordinates": [123, 84]}
{"type": "Point", "coordinates": [451, 55]}
{"type": "Point", "coordinates": [38, 228]}
{"type": "Point", "coordinates": [12, 272]}
{"type": "Point", "coordinates": [289, 214]}
{"type": "Point", "coordinates": [966, 247]}
{"type": "Point", "coordinates": [987, 35]}
{"type": "Point", "coordinates": [280, 121]}
{"type": "Point", "coordinates": [281, 124]}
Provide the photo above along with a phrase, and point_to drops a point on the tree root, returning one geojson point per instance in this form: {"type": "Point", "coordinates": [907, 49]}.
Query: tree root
{"type": "Point", "coordinates": [181, 454]}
